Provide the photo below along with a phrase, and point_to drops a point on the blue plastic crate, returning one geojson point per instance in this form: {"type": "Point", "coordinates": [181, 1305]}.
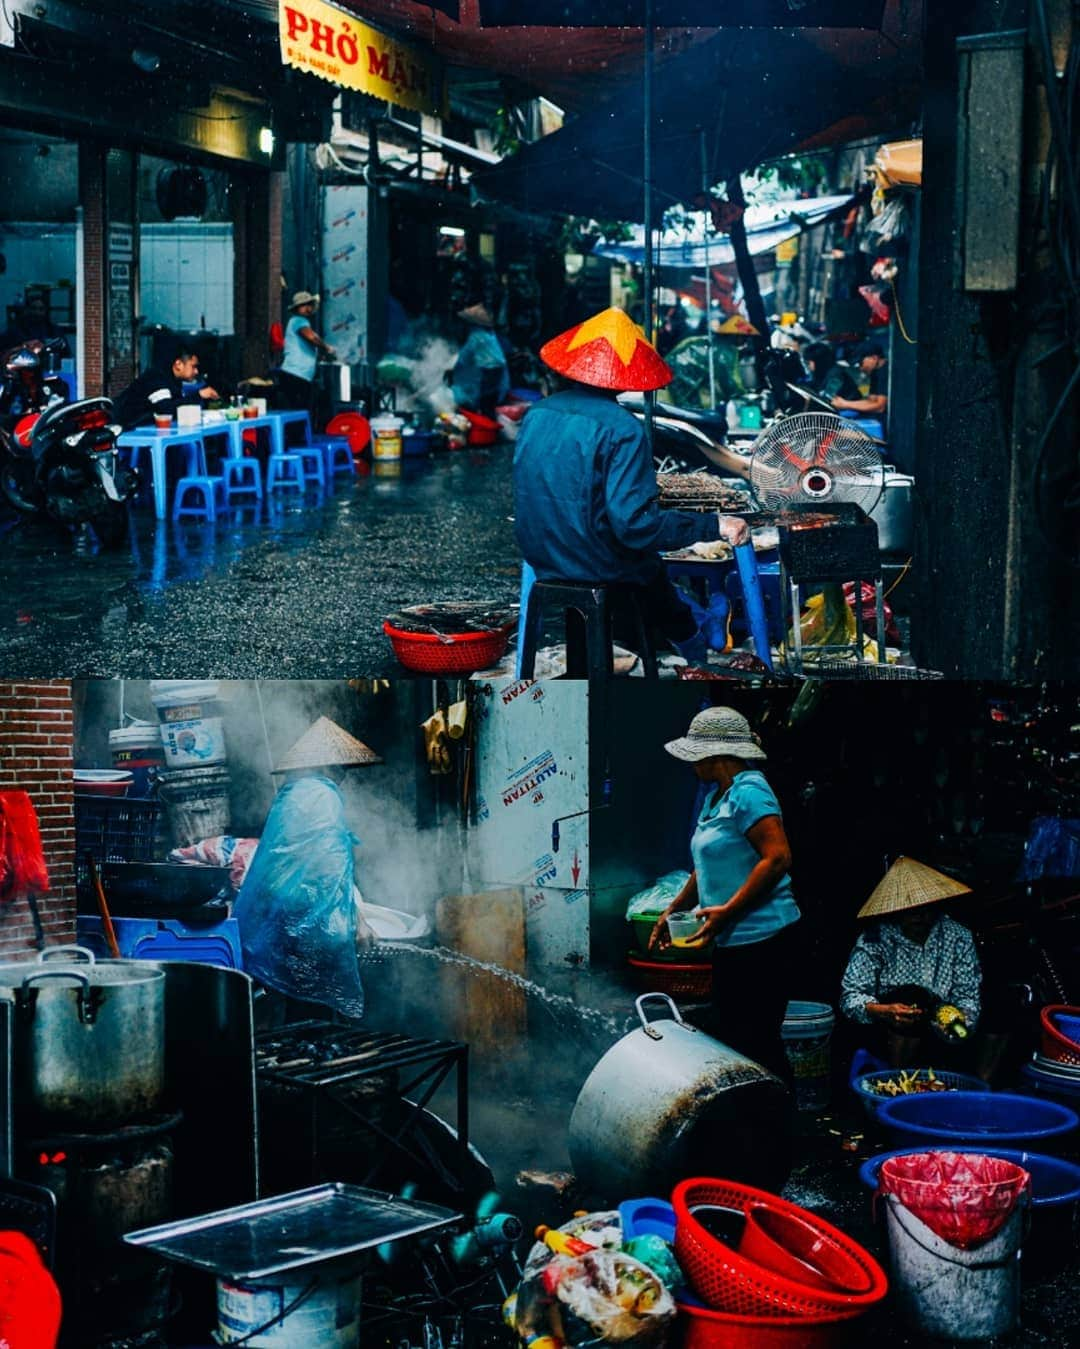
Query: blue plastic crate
{"type": "Point", "coordinates": [166, 939]}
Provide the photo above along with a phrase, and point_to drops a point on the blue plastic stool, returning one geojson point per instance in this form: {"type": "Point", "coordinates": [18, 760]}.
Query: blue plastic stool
{"type": "Point", "coordinates": [312, 463]}
{"type": "Point", "coordinates": [241, 476]}
{"type": "Point", "coordinates": [285, 470]}
{"type": "Point", "coordinates": [207, 510]}
{"type": "Point", "coordinates": [337, 453]}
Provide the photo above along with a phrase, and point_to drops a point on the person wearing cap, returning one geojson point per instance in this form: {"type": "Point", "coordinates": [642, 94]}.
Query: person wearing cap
{"type": "Point", "coordinates": [296, 376]}
{"type": "Point", "coordinates": [740, 888]}
{"type": "Point", "coordinates": [911, 957]}
{"type": "Point", "coordinates": [586, 503]}
{"type": "Point", "coordinates": [480, 378]}
{"type": "Point", "coordinates": [297, 910]}
{"type": "Point", "coordinates": [870, 358]}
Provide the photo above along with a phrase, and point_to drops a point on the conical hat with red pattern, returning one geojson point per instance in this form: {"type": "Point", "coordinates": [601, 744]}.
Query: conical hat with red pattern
{"type": "Point", "coordinates": [608, 351]}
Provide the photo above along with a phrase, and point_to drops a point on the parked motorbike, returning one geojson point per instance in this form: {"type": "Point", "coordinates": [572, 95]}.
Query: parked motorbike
{"type": "Point", "coordinates": [57, 458]}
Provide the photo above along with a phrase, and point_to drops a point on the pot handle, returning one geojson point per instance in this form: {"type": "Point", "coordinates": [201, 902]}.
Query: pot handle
{"type": "Point", "coordinates": [87, 1008]}
{"type": "Point", "coordinates": [44, 957]}
{"type": "Point", "coordinates": [649, 1029]}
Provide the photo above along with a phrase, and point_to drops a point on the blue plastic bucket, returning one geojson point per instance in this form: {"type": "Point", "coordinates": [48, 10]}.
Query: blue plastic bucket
{"type": "Point", "coordinates": [807, 1034]}
{"type": "Point", "coordinates": [975, 1120]}
{"type": "Point", "coordinates": [863, 1085]}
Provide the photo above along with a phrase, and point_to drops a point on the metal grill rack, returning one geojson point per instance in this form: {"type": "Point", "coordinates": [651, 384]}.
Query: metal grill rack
{"type": "Point", "coordinates": [326, 1066]}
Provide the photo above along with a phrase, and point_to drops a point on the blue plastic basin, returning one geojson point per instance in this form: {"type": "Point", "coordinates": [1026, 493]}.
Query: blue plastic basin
{"type": "Point", "coordinates": [647, 1217]}
{"type": "Point", "coordinates": [1053, 1180]}
{"type": "Point", "coordinates": [974, 1119]}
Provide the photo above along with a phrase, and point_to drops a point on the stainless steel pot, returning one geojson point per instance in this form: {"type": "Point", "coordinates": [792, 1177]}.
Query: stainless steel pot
{"type": "Point", "coordinates": [893, 513]}
{"type": "Point", "coordinates": [668, 1102]}
{"type": "Point", "coordinates": [89, 1038]}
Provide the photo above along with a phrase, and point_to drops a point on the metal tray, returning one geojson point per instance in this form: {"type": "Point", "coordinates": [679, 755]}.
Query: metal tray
{"type": "Point", "coordinates": [291, 1231]}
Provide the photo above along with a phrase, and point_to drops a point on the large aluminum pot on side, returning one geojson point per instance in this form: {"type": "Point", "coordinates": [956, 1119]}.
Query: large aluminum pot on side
{"type": "Point", "coordinates": [667, 1102]}
{"type": "Point", "coordinates": [89, 1038]}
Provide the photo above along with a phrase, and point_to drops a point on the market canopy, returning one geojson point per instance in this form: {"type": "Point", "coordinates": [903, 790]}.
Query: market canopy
{"type": "Point", "coordinates": [767, 231]}
{"type": "Point", "coordinates": [671, 13]}
{"type": "Point", "coordinates": [755, 94]}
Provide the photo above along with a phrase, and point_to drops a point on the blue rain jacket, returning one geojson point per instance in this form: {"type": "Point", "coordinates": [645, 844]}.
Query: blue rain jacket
{"type": "Point", "coordinates": [586, 505]}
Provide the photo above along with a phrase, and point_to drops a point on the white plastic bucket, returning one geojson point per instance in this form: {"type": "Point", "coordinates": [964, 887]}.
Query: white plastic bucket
{"type": "Point", "coordinates": [329, 1314]}
{"type": "Point", "coordinates": [386, 438]}
{"type": "Point", "coordinates": [807, 1034]}
{"type": "Point", "coordinates": [197, 802]}
{"type": "Point", "coordinates": [952, 1294]}
{"type": "Point", "coordinates": [192, 733]}
{"type": "Point", "coordinates": [137, 749]}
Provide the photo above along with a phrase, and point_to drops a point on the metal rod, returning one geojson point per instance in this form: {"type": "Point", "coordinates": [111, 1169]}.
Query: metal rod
{"type": "Point", "coordinates": [708, 271]}
{"type": "Point", "coordinates": [647, 173]}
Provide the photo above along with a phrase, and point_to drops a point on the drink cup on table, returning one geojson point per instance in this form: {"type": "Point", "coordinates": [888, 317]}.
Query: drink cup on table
{"type": "Point", "coordinates": [163, 421]}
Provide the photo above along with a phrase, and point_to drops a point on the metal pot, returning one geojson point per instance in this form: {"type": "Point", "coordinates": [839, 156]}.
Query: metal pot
{"type": "Point", "coordinates": [89, 1038]}
{"type": "Point", "coordinates": [893, 513]}
{"type": "Point", "coordinates": [668, 1102]}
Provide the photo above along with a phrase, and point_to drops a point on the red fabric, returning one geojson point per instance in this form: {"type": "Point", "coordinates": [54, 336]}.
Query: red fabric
{"type": "Point", "coordinates": [869, 612]}
{"type": "Point", "coordinates": [277, 339]}
{"type": "Point", "coordinates": [22, 860]}
{"type": "Point", "coordinates": [965, 1198]}
{"type": "Point", "coordinates": [29, 1298]}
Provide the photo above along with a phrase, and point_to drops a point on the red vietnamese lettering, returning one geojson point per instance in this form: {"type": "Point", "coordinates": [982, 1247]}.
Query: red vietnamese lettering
{"type": "Point", "coordinates": [350, 53]}
{"type": "Point", "coordinates": [322, 38]}
{"type": "Point", "coordinates": [378, 63]}
{"type": "Point", "coordinates": [297, 22]}
{"type": "Point", "coordinates": [400, 76]}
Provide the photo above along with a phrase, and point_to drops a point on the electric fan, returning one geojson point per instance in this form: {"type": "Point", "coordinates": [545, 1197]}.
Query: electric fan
{"type": "Point", "coordinates": [815, 459]}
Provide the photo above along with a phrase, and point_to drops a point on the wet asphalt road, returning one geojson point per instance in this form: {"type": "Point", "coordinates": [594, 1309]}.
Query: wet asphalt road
{"type": "Point", "coordinates": [300, 591]}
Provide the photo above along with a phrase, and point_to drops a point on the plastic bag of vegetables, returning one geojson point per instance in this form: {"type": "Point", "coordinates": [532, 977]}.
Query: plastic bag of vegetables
{"type": "Point", "coordinates": [601, 1297]}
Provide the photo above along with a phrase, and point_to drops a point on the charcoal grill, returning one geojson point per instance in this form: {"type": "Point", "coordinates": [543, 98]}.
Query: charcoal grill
{"type": "Point", "coordinates": [349, 1104]}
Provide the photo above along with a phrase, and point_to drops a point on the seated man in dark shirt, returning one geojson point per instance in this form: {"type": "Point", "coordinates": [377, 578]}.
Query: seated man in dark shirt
{"type": "Point", "coordinates": [157, 391]}
{"type": "Point", "coordinates": [586, 503]}
{"type": "Point", "coordinates": [870, 358]}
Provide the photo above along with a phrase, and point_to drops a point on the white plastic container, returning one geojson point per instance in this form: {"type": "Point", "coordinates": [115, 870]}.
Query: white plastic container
{"type": "Point", "coordinates": [807, 1034]}
{"type": "Point", "coordinates": [328, 1316]}
{"type": "Point", "coordinates": [137, 749]}
{"type": "Point", "coordinates": [192, 733]}
{"type": "Point", "coordinates": [683, 925]}
{"type": "Point", "coordinates": [386, 438]}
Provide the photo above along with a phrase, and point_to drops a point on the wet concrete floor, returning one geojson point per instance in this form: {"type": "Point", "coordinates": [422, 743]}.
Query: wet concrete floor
{"type": "Point", "coordinates": [296, 589]}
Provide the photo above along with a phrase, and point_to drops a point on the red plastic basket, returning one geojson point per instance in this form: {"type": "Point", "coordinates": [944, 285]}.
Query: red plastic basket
{"type": "Point", "coordinates": [728, 1282]}
{"type": "Point", "coordinates": [1055, 1043]}
{"type": "Point", "coordinates": [482, 430]}
{"type": "Point", "coordinates": [449, 654]}
{"type": "Point", "coordinates": [705, 1329]}
{"type": "Point", "coordinates": [675, 979]}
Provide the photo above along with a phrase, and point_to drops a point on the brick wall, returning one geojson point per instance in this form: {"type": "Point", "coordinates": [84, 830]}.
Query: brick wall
{"type": "Point", "coordinates": [36, 737]}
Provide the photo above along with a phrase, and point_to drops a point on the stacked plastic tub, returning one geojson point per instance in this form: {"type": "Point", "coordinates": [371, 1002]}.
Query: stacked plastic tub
{"type": "Point", "coordinates": [1054, 1072]}
{"type": "Point", "coordinates": [765, 1273]}
{"type": "Point", "coordinates": [195, 784]}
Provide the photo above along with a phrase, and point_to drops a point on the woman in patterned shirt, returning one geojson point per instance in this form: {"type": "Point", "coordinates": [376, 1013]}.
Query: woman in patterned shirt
{"type": "Point", "coordinates": [912, 958]}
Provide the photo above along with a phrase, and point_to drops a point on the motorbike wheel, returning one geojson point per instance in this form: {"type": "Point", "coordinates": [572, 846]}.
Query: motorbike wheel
{"type": "Point", "coordinates": [111, 525]}
{"type": "Point", "coordinates": [18, 492]}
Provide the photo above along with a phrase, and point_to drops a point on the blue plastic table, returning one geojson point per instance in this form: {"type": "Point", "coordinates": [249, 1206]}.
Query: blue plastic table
{"type": "Point", "coordinates": [158, 442]}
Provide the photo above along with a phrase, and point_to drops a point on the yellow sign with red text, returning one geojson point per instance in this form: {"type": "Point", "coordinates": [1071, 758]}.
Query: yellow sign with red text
{"type": "Point", "coordinates": [329, 42]}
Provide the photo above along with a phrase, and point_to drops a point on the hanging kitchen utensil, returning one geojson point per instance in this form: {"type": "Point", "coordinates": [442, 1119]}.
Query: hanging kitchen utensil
{"type": "Point", "coordinates": [103, 908]}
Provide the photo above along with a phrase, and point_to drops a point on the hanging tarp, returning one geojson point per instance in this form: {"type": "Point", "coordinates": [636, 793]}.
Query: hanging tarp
{"type": "Point", "coordinates": [672, 13]}
{"type": "Point", "coordinates": [781, 223]}
{"type": "Point", "coordinates": [329, 42]}
{"type": "Point", "coordinates": [746, 90]}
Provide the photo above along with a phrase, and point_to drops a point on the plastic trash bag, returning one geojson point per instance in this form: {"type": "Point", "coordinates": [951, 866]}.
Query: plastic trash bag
{"type": "Point", "coordinates": [602, 1297]}
{"type": "Point", "coordinates": [965, 1198]}
{"type": "Point", "coordinates": [652, 902]}
{"type": "Point", "coordinates": [296, 909]}
{"type": "Point", "coordinates": [1052, 849]}
{"type": "Point", "coordinates": [220, 851]}
{"type": "Point", "coordinates": [22, 860]}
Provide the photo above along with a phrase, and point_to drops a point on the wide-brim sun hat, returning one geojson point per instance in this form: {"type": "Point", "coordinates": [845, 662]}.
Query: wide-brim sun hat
{"type": "Point", "coordinates": [303, 297]}
{"type": "Point", "coordinates": [477, 314]}
{"type": "Point", "coordinates": [608, 351]}
{"type": "Point", "coordinates": [326, 745]}
{"type": "Point", "coordinates": [910, 885]}
{"type": "Point", "coordinates": [718, 731]}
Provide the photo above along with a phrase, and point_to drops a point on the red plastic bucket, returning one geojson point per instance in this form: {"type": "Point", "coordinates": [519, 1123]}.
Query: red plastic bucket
{"type": "Point", "coordinates": [800, 1250]}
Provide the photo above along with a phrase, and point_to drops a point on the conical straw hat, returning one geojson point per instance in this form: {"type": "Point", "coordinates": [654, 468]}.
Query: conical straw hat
{"type": "Point", "coordinates": [908, 885]}
{"type": "Point", "coordinates": [608, 351]}
{"type": "Point", "coordinates": [326, 745]}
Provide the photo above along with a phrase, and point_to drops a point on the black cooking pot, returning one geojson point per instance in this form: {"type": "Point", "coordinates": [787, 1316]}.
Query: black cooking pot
{"type": "Point", "coordinates": [160, 889]}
